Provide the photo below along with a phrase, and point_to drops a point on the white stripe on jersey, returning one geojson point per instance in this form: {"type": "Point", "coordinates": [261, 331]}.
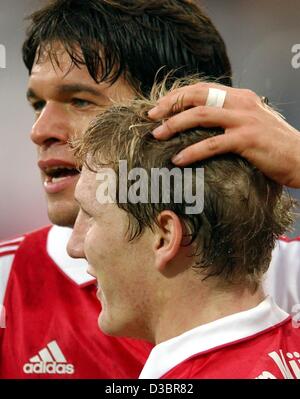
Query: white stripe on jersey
{"type": "Point", "coordinates": [5, 267]}
{"type": "Point", "coordinates": [6, 261]}
{"type": "Point", "coordinates": [56, 352]}
{"type": "Point", "coordinates": [46, 356]}
{"type": "Point", "coordinates": [8, 248]}
{"type": "Point", "coordinates": [12, 242]}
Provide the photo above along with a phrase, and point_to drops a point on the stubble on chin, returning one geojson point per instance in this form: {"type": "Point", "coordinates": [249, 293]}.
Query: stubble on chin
{"type": "Point", "coordinates": [63, 214]}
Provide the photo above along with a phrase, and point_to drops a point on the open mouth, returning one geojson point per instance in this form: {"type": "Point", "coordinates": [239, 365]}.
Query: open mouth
{"type": "Point", "coordinates": [57, 174]}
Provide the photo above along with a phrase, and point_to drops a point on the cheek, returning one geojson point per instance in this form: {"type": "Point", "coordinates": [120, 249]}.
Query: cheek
{"type": "Point", "coordinates": [81, 120]}
{"type": "Point", "coordinates": [95, 244]}
{"type": "Point", "coordinates": [92, 243]}
{"type": "Point", "coordinates": [77, 125]}
{"type": "Point", "coordinates": [105, 242]}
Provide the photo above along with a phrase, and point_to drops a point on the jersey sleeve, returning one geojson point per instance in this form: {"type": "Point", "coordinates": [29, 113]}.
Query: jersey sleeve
{"type": "Point", "coordinates": [8, 250]}
{"type": "Point", "coordinates": [282, 280]}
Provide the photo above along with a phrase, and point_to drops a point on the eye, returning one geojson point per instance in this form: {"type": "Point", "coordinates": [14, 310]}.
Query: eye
{"type": "Point", "coordinates": [80, 103]}
{"type": "Point", "coordinates": [38, 106]}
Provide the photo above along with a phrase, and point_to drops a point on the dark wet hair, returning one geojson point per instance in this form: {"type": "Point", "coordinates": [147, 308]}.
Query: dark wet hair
{"type": "Point", "coordinates": [134, 38]}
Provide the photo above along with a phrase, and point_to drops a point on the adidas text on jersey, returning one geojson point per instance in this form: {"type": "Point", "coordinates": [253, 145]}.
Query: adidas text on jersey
{"type": "Point", "coordinates": [50, 360]}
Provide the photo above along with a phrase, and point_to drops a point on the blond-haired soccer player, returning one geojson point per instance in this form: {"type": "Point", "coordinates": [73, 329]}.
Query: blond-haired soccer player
{"type": "Point", "coordinates": [80, 55]}
{"type": "Point", "coordinates": [185, 276]}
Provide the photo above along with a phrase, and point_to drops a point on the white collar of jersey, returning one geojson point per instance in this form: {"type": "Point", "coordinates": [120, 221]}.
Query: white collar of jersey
{"type": "Point", "coordinates": [75, 269]}
{"type": "Point", "coordinates": [229, 329]}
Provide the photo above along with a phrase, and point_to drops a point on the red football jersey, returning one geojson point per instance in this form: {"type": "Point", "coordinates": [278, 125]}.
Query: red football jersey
{"type": "Point", "coordinates": [48, 324]}
{"type": "Point", "coordinates": [263, 342]}
{"type": "Point", "coordinates": [49, 315]}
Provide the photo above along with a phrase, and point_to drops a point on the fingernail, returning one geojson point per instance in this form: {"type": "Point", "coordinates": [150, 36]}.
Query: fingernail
{"type": "Point", "coordinates": [177, 158]}
{"type": "Point", "coordinates": [158, 131]}
{"type": "Point", "coordinates": [153, 112]}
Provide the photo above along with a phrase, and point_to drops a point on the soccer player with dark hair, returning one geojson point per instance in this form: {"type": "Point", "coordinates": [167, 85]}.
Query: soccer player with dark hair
{"type": "Point", "coordinates": [82, 55]}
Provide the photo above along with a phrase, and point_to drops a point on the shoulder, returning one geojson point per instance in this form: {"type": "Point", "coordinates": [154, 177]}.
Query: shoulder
{"type": "Point", "coordinates": [282, 280]}
{"type": "Point", "coordinates": [13, 243]}
{"type": "Point", "coordinates": [10, 248]}
{"type": "Point", "coordinates": [286, 246]}
{"type": "Point", "coordinates": [286, 257]}
{"type": "Point", "coordinates": [31, 239]}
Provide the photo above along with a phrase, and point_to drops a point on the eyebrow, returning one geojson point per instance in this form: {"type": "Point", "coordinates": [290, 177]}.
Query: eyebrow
{"type": "Point", "coordinates": [77, 88]}
{"type": "Point", "coordinates": [68, 89]}
{"type": "Point", "coordinates": [30, 94]}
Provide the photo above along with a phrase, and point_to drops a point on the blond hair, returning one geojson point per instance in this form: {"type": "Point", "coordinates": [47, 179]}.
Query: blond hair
{"type": "Point", "coordinates": [244, 211]}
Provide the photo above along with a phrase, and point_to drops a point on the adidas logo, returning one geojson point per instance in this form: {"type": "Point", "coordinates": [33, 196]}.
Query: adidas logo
{"type": "Point", "coordinates": [49, 360]}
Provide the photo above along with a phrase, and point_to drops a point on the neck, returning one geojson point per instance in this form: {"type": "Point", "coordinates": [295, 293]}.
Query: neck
{"type": "Point", "coordinates": [188, 307]}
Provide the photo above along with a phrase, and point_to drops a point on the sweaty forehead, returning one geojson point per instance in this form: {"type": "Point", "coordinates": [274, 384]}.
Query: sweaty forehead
{"type": "Point", "coordinates": [53, 63]}
{"type": "Point", "coordinates": [55, 53]}
{"type": "Point", "coordinates": [48, 78]}
{"type": "Point", "coordinates": [62, 67]}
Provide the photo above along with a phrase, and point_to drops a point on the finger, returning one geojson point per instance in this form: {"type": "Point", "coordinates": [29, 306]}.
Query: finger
{"type": "Point", "coordinates": [223, 143]}
{"type": "Point", "coordinates": [186, 97]}
{"type": "Point", "coordinates": [194, 117]}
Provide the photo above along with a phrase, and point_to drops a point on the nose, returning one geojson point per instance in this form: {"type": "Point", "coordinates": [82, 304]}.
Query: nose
{"type": "Point", "coordinates": [75, 246]}
{"type": "Point", "coordinates": [52, 125]}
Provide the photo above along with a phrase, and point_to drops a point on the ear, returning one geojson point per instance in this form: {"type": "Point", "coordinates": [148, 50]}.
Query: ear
{"type": "Point", "coordinates": [168, 239]}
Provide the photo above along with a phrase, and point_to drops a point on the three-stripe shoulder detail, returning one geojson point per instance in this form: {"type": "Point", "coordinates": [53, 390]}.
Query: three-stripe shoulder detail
{"type": "Point", "coordinates": [8, 251]}
{"type": "Point", "coordinates": [11, 246]}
